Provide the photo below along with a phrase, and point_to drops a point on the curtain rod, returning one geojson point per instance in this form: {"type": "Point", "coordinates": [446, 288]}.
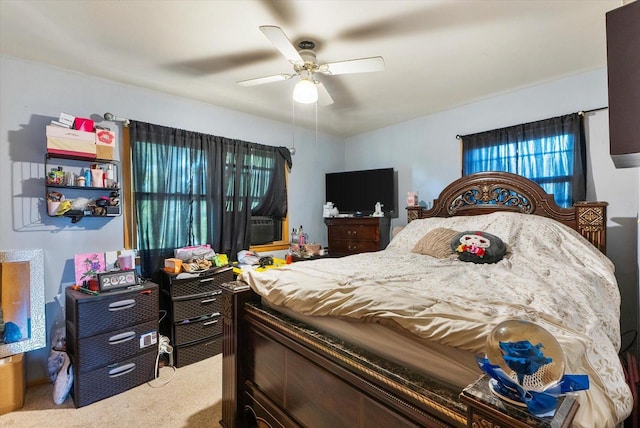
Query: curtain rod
{"type": "Point", "coordinates": [581, 113]}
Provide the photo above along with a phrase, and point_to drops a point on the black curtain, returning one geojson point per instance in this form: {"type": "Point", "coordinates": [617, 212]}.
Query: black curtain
{"type": "Point", "coordinates": [192, 189]}
{"type": "Point", "coordinates": [551, 152]}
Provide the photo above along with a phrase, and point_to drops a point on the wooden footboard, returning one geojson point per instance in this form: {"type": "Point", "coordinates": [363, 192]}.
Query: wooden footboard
{"type": "Point", "coordinates": [279, 373]}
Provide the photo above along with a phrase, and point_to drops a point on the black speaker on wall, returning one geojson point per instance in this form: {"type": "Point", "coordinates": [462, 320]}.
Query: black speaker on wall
{"type": "Point", "coordinates": [623, 72]}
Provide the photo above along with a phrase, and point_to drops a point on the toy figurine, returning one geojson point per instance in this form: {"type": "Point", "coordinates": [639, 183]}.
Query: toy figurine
{"type": "Point", "coordinates": [412, 199]}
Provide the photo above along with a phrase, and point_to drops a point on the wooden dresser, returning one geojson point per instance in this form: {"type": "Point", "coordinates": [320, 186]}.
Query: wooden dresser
{"type": "Point", "coordinates": [352, 235]}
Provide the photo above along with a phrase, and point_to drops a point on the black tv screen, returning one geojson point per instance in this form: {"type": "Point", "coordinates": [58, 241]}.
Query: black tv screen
{"type": "Point", "coordinates": [358, 191]}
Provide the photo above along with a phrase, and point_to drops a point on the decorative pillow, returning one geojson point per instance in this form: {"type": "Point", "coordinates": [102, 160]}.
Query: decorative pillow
{"type": "Point", "coordinates": [436, 243]}
{"type": "Point", "coordinates": [478, 247]}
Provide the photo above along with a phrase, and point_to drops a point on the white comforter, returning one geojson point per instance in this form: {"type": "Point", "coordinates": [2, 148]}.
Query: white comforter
{"type": "Point", "coordinates": [550, 275]}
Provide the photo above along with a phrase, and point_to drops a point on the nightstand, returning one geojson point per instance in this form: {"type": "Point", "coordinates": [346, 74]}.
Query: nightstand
{"type": "Point", "coordinates": [487, 410]}
{"type": "Point", "coordinates": [353, 235]}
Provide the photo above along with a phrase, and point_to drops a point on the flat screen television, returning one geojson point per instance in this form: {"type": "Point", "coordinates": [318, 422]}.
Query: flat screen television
{"type": "Point", "coordinates": [356, 192]}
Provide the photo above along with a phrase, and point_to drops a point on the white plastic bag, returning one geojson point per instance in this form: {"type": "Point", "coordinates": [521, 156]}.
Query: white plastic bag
{"type": "Point", "coordinates": [59, 364]}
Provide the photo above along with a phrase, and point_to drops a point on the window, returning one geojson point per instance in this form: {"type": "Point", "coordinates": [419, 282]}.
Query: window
{"type": "Point", "coordinates": [550, 152]}
{"type": "Point", "coordinates": [190, 189]}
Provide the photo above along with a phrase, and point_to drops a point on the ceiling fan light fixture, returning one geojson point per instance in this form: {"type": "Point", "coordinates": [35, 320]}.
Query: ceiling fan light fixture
{"type": "Point", "coordinates": [305, 92]}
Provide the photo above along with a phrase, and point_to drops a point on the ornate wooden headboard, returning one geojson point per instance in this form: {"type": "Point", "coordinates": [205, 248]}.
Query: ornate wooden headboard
{"type": "Point", "coordinates": [487, 192]}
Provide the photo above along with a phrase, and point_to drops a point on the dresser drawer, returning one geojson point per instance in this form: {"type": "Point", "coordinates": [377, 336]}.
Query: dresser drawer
{"type": "Point", "coordinates": [194, 308]}
{"type": "Point", "coordinates": [203, 284]}
{"type": "Point", "coordinates": [116, 345]}
{"type": "Point", "coordinates": [190, 331]}
{"type": "Point", "coordinates": [113, 379]}
{"type": "Point", "coordinates": [341, 247]}
{"type": "Point", "coordinates": [197, 351]}
{"type": "Point", "coordinates": [353, 232]}
{"type": "Point", "coordinates": [89, 315]}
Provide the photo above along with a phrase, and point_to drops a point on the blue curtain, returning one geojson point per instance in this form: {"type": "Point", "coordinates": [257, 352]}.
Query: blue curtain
{"type": "Point", "coordinates": [192, 189]}
{"type": "Point", "coordinates": [551, 152]}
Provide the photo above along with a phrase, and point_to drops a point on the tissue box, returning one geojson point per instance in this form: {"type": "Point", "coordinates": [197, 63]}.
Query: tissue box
{"type": "Point", "coordinates": [173, 265]}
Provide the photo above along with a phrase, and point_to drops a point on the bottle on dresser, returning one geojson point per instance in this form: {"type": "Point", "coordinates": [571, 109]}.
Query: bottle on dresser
{"type": "Point", "coordinates": [302, 237]}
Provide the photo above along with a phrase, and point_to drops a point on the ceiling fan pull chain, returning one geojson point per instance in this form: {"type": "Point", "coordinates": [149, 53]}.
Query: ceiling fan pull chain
{"type": "Point", "coordinates": [292, 150]}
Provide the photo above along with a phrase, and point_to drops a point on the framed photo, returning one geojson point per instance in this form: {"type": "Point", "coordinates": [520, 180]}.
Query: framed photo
{"type": "Point", "coordinates": [87, 266]}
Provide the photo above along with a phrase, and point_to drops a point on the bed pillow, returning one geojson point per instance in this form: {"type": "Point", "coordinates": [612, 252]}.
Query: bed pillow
{"type": "Point", "coordinates": [436, 243]}
{"type": "Point", "coordinates": [478, 247]}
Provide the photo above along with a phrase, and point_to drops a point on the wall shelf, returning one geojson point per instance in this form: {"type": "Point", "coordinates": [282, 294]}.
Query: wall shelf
{"type": "Point", "coordinates": [66, 185]}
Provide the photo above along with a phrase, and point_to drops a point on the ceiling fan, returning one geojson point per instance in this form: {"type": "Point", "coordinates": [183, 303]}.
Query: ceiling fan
{"type": "Point", "coordinates": [305, 66]}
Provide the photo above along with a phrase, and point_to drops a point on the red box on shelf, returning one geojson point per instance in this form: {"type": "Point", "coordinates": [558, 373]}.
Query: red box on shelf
{"type": "Point", "coordinates": [83, 124]}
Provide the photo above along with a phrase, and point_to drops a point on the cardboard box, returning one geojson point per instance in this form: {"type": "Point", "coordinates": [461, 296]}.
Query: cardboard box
{"type": "Point", "coordinates": [62, 146]}
{"type": "Point", "coordinates": [12, 387]}
{"type": "Point", "coordinates": [104, 152]}
{"type": "Point", "coordinates": [173, 265]}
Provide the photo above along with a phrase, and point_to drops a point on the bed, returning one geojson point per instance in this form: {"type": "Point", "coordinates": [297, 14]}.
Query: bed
{"type": "Point", "coordinates": [390, 338]}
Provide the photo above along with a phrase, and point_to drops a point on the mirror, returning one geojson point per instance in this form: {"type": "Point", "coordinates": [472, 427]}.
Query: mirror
{"type": "Point", "coordinates": [22, 301]}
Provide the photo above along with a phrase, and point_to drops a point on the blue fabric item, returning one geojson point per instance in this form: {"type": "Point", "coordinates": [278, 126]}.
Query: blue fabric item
{"type": "Point", "coordinates": [572, 383]}
{"type": "Point", "coordinates": [539, 403]}
{"type": "Point", "coordinates": [11, 332]}
{"type": "Point", "coordinates": [524, 358]}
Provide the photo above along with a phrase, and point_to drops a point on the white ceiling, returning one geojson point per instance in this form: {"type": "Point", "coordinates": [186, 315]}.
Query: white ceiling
{"type": "Point", "coordinates": [438, 53]}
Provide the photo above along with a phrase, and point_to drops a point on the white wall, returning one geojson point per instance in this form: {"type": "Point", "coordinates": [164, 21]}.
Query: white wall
{"type": "Point", "coordinates": [32, 94]}
{"type": "Point", "coordinates": [424, 151]}
{"type": "Point", "coordinates": [427, 155]}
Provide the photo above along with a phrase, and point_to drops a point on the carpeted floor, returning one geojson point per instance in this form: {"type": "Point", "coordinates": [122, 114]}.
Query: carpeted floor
{"type": "Point", "coordinates": [192, 399]}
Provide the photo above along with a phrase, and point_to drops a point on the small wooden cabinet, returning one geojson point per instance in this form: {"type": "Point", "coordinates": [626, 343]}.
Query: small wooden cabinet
{"type": "Point", "coordinates": [353, 235]}
{"type": "Point", "coordinates": [112, 340]}
{"type": "Point", "coordinates": [192, 320]}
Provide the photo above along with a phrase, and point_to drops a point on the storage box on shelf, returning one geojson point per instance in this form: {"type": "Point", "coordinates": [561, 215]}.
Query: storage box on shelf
{"type": "Point", "coordinates": [71, 142]}
{"type": "Point", "coordinates": [105, 143]}
{"type": "Point", "coordinates": [112, 340]}
{"type": "Point", "coordinates": [64, 176]}
{"type": "Point", "coordinates": [192, 322]}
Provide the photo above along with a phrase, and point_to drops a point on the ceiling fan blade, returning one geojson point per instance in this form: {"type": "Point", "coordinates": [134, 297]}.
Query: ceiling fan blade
{"type": "Point", "coordinates": [282, 43]}
{"type": "Point", "coordinates": [361, 65]}
{"type": "Point", "coordinates": [263, 80]}
{"type": "Point", "coordinates": [324, 99]}
{"type": "Point", "coordinates": [222, 63]}
{"type": "Point", "coordinates": [284, 12]}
